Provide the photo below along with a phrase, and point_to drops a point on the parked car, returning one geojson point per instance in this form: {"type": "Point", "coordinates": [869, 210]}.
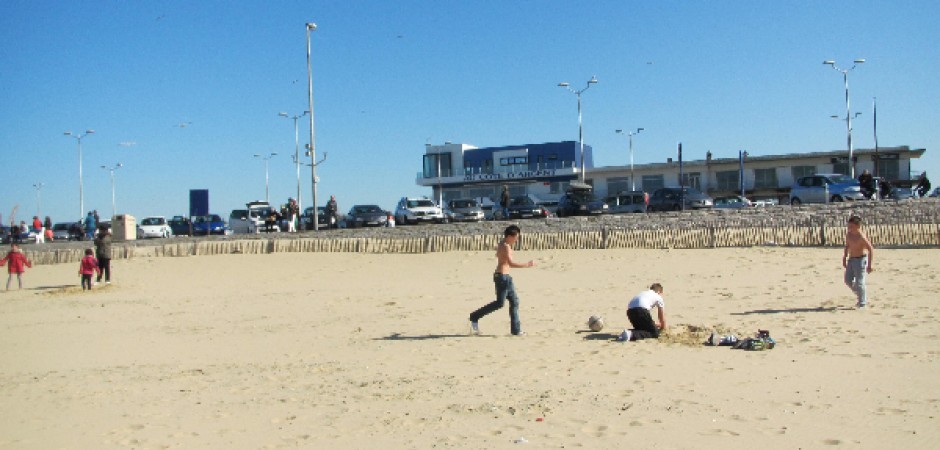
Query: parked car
{"type": "Point", "coordinates": [579, 200]}
{"type": "Point", "coordinates": [521, 207]}
{"type": "Point", "coordinates": [253, 219]}
{"type": "Point", "coordinates": [825, 187]}
{"type": "Point", "coordinates": [673, 199]}
{"type": "Point", "coordinates": [412, 210]}
{"type": "Point", "coordinates": [307, 218]}
{"type": "Point", "coordinates": [211, 224]}
{"type": "Point", "coordinates": [463, 210]}
{"type": "Point", "coordinates": [732, 202]}
{"type": "Point", "coordinates": [627, 202]}
{"type": "Point", "coordinates": [935, 193]}
{"type": "Point", "coordinates": [153, 227]}
{"type": "Point", "coordinates": [366, 216]}
{"type": "Point", "coordinates": [60, 231]}
{"type": "Point", "coordinates": [179, 226]}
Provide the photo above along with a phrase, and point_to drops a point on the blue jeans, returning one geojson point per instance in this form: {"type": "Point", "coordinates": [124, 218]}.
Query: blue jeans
{"type": "Point", "coordinates": [504, 290]}
{"type": "Point", "coordinates": [855, 271]}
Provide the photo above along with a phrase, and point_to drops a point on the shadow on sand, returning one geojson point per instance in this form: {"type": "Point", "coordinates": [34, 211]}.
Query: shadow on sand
{"type": "Point", "coordinates": [818, 309]}
{"type": "Point", "coordinates": [401, 337]}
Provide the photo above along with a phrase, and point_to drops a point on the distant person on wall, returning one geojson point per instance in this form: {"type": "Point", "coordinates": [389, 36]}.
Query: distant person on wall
{"type": "Point", "coordinates": [47, 225]}
{"type": "Point", "coordinates": [90, 224]}
{"type": "Point", "coordinates": [331, 209]}
{"type": "Point", "coordinates": [103, 254]}
{"type": "Point", "coordinates": [87, 268]}
{"type": "Point", "coordinates": [884, 189]}
{"type": "Point", "coordinates": [292, 212]}
{"type": "Point", "coordinates": [18, 263]}
{"type": "Point", "coordinates": [504, 202]}
{"type": "Point", "coordinates": [867, 183]}
{"type": "Point", "coordinates": [40, 232]}
{"type": "Point", "coordinates": [923, 185]}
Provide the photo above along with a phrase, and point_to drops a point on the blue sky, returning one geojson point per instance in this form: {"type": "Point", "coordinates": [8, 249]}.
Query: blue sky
{"type": "Point", "coordinates": [391, 76]}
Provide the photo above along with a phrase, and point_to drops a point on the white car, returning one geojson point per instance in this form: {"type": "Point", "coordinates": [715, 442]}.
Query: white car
{"type": "Point", "coordinates": [153, 227]}
{"type": "Point", "coordinates": [412, 210]}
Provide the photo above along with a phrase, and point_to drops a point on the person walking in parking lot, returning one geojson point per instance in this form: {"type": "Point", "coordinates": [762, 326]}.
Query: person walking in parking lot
{"type": "Point", "coordinates": [504, 202]}
{"type": "Point", "coordinates": [331, 210]}
{"type": "Point", "coordinates": [505, 289]}
{"type": "Point", "coordinates": [103, 253]}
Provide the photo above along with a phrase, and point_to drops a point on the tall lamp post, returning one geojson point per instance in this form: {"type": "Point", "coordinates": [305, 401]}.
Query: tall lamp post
{"type": "Point", "coordinates": [312, 145]}
{"type": "Point", "coordinates": [113, 203]}
{"type": "Point", "coordinates": [565, 85]}
{"type": "Point", "coordinates": [81, 184]}
{"type": "Point", "coordinates": [267, 197]}
{"type": "Point", "coordinates": [38, 187]}
{"type": "Point", "coordinates": [632, 175]}
{"type": "Point", "coordinates": [296, 155]}
{"type": "Point", "coordinates": [848, 108]}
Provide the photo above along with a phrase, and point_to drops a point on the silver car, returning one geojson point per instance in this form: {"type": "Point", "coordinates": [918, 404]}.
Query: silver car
{"type": "Point", "coordinates": [825, 187]}
{"type": "Point", "coordinates": [463, 210]}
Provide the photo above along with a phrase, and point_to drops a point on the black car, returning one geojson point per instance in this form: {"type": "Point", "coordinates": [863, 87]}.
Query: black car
{"type": "Point", "coordinates": [579, 200]}
{"type": "Point", "coordinates": [366, 216]}
{"type": "Point", "coordinates": [180, 225]}
{"type": "Point", "coordinates": [307, 218]}
{"type": "Point", "coordinates": [524, 208]}
{"type": "Point", "coordinates": [672, 199]}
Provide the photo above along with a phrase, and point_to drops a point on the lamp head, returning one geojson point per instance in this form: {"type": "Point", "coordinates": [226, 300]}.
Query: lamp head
{"type": "Point", "coordinates": [282, 114]}
{"type": "Point", "coordinates": [859, 61]}
{"type": "Point", "coordinates": [829, 62]}
{"type": "Point", "coordinates": [563, 84]}
{"type": "Point", "coordinates": [67, 133]}
{"type": "Point", "coordinates": [619, 131]}
{"type": "Point", "coordinates": [89, 131]}
{"type": "Point", "coordinates": [311, 26]}
{"type": "Point", "coordinates": [593, 80]}
{"type": "Point", "coordinates": [640, 129]}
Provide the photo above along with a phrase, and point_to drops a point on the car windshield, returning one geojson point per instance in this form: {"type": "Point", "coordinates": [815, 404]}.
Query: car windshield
{"type": "Point", "coordinates": [522, 201]}
{"type": "Point", "coordinates": [420, 204]}
{"type": "Point", "coordinates": [365, 209]}
{"type": "Point", "coordinates": [153, 221]}
{"type": "Point", "coordinates": [463, 204]}
{"type": "Point", "coordinates": [841, 179]}
{"type": "Point", "coordinates": [581, 196]}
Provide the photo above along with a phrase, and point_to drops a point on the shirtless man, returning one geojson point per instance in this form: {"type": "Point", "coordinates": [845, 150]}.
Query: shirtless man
{"type": "Point", "coordinates": [857, 259]}
{"type": "Point", "coordinates": [504, 286]}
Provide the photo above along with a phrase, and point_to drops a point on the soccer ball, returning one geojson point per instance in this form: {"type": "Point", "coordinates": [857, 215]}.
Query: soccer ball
{"type": "Point", "coordinates": [596, 323]}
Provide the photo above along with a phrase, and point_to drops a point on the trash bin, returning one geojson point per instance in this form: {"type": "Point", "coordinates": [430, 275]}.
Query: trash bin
{"type": "Point", "coordinates": [124, 228]}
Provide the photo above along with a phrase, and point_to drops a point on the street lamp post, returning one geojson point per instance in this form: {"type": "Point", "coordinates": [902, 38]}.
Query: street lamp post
{"type": "Point", "coordinates": [848, 108]}
{"type": "Point", "coordinates": [296, 155]}
{"type": "Point", "coordinates": [742, 155]}
{"type": "Point", "coordinates": [267, 197]}
{"type": "Point", "coordinates": [81, 184]}
{"type": "Point", "coordinates": [632, 175]}
{"type": "Point", "coordinates": [313, 146]}
{"type": "Point", "coordinates": [38, 187]}
{"type": "Point", "coordinates": [565, 85]}
{"type": "Point", "coordinates": [113, 203]}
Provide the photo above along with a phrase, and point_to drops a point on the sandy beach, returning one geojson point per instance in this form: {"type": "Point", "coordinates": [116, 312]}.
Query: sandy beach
{"type": "Point", "coordinates": [346, 350]}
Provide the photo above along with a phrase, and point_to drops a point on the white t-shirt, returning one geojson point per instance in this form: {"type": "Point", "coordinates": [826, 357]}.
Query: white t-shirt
{"type": "Point", "coordinates": [646, 299]}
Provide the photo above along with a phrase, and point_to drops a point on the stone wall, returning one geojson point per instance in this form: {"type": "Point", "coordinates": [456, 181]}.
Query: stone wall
{"type": "Point", "coordinates": [909, 223]}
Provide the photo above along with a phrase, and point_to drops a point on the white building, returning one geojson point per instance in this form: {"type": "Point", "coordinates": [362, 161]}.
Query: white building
{"type": "Point", "coordinates": [544, 170]}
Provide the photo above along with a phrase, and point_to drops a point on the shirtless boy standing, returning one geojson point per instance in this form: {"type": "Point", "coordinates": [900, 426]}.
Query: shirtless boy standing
{"type": "Point", "coordinates": [857, 259]}
{"type": "Point", "coordinates": [504, 286]}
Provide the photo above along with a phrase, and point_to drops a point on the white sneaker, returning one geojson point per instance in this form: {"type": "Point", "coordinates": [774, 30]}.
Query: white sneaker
{"type": "Point", "coordinates": [474, 327]}
{"type": "Point", "coordinates": [520, 333]}
{"type": "Point", "coordinates": [625, 336]}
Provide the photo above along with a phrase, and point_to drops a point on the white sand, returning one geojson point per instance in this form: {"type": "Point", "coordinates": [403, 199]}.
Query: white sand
{"type": "Point", "coordinates": [373, 351]}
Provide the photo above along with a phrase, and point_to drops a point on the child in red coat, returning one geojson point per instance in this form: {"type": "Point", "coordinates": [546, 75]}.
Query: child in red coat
{"type": "Point", "coordinates": [18, 263]}
{"type": "Point", "coordinates": [88, 267]}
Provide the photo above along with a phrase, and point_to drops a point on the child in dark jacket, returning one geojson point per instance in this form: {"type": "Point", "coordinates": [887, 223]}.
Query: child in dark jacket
{"type": "Point", "coordinates": [18, 264]}
{"type": "Point", "coordinates": [88, 267]}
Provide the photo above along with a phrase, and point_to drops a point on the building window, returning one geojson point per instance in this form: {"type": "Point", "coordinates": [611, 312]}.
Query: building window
{"type": "Point", "coordinates": [617, 185]}
{"type": "Point", "coordinates": [802, 171]}
{"type": "Point", "coordinates": [487, 166]}
{"type": "Point", "coordinates": [889, 169]}
{"type": "Point", "coordinates": [841, 167]}
{"type": "Point", "coordinates": [652, 182]}
{"type": "Point", "coordinates": [765, 178]}
{"type": "Point", "coordinates": [692, 179]}
{"type": "Point", "coordinates": [727, 180]}
{"type": "Point", "coordinates": [514, 160]}
{"type": "Point", "coordinates": [436, 161]}
{"type": "Point", "coordinates": [558, 187]}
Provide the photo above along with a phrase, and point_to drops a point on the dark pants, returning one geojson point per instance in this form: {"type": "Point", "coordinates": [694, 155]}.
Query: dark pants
{"type": "Point", "coordinates": [643, 325]}
{"type": "Point", "coordinates": [104, 268]}
{"type": "Point", "coordinates": [86, 281]}
{"type": "Point", "coordinates": [504, 290]}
